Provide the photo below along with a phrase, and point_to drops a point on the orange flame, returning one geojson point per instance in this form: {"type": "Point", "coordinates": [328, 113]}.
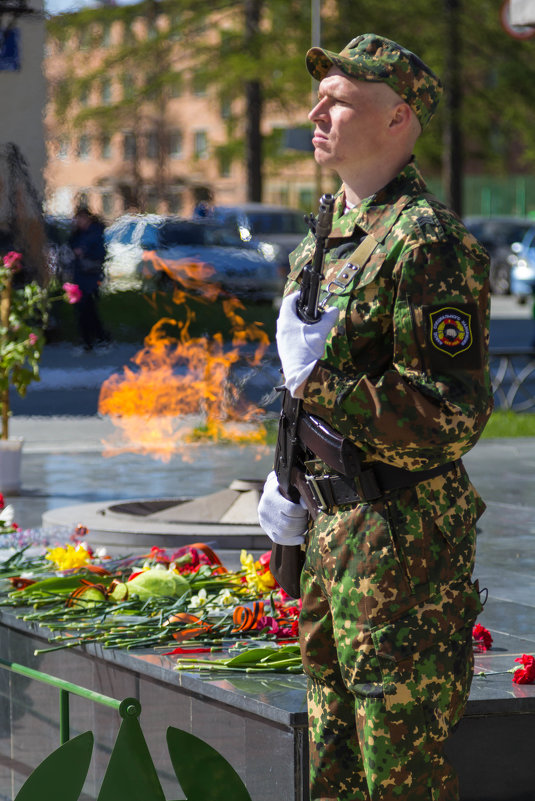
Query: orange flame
{"type": "Point", "coordinates": [179, 391]}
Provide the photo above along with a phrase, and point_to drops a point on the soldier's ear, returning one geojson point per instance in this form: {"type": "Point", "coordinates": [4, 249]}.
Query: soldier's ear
{"type": "Point", "coordinates": [401, 117]}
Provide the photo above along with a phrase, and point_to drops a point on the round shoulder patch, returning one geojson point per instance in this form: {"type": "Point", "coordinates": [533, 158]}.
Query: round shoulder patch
{"type": "Point", "coordinates": [451, 330]}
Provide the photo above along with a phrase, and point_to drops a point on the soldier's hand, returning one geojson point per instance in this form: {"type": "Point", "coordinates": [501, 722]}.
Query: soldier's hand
{"type": "Point", "coordinates": [283, 521]}
{"type": "Point", "coordinates": [300, 345]}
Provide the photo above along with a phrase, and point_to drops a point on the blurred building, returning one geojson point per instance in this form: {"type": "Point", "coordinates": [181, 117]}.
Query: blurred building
{"type": "Point", "coordinates": [141, 132]}
{"type": "Point", "coordinates": [22, 141]}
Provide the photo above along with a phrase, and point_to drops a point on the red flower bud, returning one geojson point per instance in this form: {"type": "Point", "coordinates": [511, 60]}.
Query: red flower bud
{"type": "Point", "coordinates": [73, 292]}
{"type": "Point", "coordinates": [12, 260]}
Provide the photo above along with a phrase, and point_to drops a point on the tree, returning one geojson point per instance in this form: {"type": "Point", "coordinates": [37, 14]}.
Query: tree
{"type": "Point", "coordinates": [248, 64]}
{"type": "Point", "coordinates": [485, 121]}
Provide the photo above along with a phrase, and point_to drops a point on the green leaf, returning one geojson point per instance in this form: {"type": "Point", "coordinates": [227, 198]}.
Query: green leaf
{"type": "Point", "coordinates": [58, 584]}
{"type": "Point", "coordinates": [61, 776]}
{"type": "Point", "coordinates": [250, 657]}
{"type": "Point", "coordinates": [202, 772]}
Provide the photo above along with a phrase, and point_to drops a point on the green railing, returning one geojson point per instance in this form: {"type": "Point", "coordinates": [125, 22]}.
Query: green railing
{"type": "Point", "coordinates": [200, 770]}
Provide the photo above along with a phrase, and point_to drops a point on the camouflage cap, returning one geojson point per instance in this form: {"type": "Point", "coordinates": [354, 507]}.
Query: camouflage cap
{"type": "Point", "coordinates": [373, 58]}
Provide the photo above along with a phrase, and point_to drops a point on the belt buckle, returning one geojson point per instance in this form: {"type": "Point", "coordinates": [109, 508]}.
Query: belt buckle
{"type": "Point", "coordinates": [316, 492]}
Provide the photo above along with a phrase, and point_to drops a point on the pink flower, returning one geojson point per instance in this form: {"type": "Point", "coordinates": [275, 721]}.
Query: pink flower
{"type": "Point", "coordinates": [73, 292]}
{"type": "Point", "coordinates": [2, 502]}
{"type": "Point", "coordinates": [269, 623]}
{"type": "Point", "coordinates": [32, 339]}
{"type": "Point", "coordinates": [12, 260]}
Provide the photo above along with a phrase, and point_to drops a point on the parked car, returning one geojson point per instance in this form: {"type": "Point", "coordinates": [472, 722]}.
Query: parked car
{"type": "Point", "coordinates": [523, 267]}
{"type": "Point", "coordinates": [498, 235]}
{"type": "Point", "coordinates": [277, 226]}
{"type": "Point", "coordinates": [190, 253]}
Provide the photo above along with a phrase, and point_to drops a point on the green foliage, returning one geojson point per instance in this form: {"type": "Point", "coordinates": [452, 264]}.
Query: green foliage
{"type": "Point", "coordinates": [23, 339]}
{"type": "Point", "coordinates": [498, 86]}
{"type": "Point", "coordinates": [509, 424]}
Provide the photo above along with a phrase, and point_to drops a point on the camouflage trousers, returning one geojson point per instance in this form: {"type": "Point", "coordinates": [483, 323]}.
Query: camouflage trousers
{"type": "Point", "coordinates": [385, 628]}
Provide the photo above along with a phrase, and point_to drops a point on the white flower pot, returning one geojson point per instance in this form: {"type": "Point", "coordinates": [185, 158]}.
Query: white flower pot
{"type": "Point", "coordinates": [10, 465]}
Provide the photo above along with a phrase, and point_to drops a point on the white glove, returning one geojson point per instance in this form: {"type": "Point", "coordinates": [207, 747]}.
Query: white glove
{"type": "Point", "coordinates": [283, 521]}
{"type": "Point", "coordinates": [300, 344]}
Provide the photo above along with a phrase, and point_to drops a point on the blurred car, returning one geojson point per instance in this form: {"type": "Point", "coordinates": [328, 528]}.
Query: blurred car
{"type": "Point", "coordinates": [523, 267]}
{"type": "Point", "coordinates": [278, 226]}
{"type": "Point", "coordinates": [189, 253]}
{"type": "Point", "coordinates": [498, 235]}
{"type": "Point", "coordinates": [123, 248]}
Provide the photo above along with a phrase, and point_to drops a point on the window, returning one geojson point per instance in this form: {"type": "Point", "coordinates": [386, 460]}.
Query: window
{"type": "Point", "coordinates": [175, 201]}
{"type": "Point", "coordinates": [107, 203]}
{"type": "Point", "coordinates": [200, 144]}
{"type": "Point", "coordinates": [128, 86]}
{"type": "Point", "coordinates": [225, 165]}
{"type": "Point", "coordinates": [84, 95]}
{"type": "Point", "coordinates": [84, 147]}
{"type": "Point", "coordinates": [175, 144]}
{"type": "Point", "coordinates": [105, 146]}
{"type": "Point", "coordinates": [226, 108]}
{"type": "Point", "coordinates": [85, 38]}
{"type": "Point", "coordinates": [151, 145]}
{"type": "Point", "coordinates": [128, 34]}
{"type": "Point", "coordinates": [106, 91]}
{"type": "Point", "coordinates": [198, 85]}
{"type": "Point", "coordinates": [152, 201]}
{"type": "Point", "coordinates": [177, 85]}
{"type": "Point", "coordinates": [306, 199]}
{"type": "Point", "coordinates": [129, 146]}
{"type": "Point", "coordinates": [106, 35]}
{"type": "Point", "coordinates": [63, 148]}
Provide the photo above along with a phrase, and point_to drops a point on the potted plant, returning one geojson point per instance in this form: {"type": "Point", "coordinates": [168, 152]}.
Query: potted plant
{"type": "Point", "coordinates": [23, 321]}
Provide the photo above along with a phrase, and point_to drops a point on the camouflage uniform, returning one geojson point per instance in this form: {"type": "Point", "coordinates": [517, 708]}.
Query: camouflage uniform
{"type": "Point", "coordinates": [388, 602]}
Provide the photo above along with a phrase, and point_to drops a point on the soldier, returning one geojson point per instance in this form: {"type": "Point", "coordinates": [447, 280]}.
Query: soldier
{"type": "Point", "coordinates": [398, 367]}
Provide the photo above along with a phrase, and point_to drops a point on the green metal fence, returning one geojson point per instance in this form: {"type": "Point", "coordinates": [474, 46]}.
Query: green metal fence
{"type": "Point", "coordinates": [200, 770]}
{"type": "Point", "coordinates": [492, 196]}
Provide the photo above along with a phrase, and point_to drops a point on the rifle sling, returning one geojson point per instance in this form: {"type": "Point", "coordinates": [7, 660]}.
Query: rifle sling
{"type": "Point", "coordinates": [350, 269]}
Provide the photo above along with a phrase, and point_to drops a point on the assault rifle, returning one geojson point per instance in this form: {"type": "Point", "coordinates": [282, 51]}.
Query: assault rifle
{"type": "Point", "coordinates": [289, 453]}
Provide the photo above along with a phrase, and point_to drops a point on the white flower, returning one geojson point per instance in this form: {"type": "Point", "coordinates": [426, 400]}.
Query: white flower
{"type": "Point", "coordinates": [101, 553]}
{"type": "Point", "coordinates": [226, 598]}
{"type": "Point", "coordinates": [7, 514]}
{"type": "Point", "coordinates": [198, 600]}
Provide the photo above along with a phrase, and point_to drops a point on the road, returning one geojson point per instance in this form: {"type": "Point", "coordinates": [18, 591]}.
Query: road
{"type": "Point", "coordinates": [70, 381]}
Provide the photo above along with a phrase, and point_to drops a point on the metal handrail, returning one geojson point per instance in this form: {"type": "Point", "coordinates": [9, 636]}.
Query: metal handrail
{"type": "Point", "coordinates": [511, 370]}
{"type": "Point", "coordinates": [66, 688]}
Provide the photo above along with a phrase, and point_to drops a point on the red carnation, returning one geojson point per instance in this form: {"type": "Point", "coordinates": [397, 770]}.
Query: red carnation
{"type": "Point", "coordinates": [525, 674]}
{"type": "Point", "coordinates": [482, 637]}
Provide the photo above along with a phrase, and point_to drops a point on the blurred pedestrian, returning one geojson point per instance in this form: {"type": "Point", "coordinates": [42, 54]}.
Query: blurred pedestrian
{"type": "Point", "coordinates": [87, 245]}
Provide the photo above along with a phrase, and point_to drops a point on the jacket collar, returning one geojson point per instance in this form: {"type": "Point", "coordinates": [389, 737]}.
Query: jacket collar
{"type": "Point", "coordinates": [377, 214]}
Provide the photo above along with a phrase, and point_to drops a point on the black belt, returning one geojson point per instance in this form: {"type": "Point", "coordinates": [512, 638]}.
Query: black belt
{"type": "Point", "coordinates": [322, 493]}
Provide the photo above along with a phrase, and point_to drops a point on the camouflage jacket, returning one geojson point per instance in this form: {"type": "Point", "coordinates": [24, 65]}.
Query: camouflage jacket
{"type": "Point", "coordinates": [405, 371]}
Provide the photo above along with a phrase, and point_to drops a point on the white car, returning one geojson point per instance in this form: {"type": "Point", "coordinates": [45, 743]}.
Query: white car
{"type": "Point", "coordinates": [175, 250]}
